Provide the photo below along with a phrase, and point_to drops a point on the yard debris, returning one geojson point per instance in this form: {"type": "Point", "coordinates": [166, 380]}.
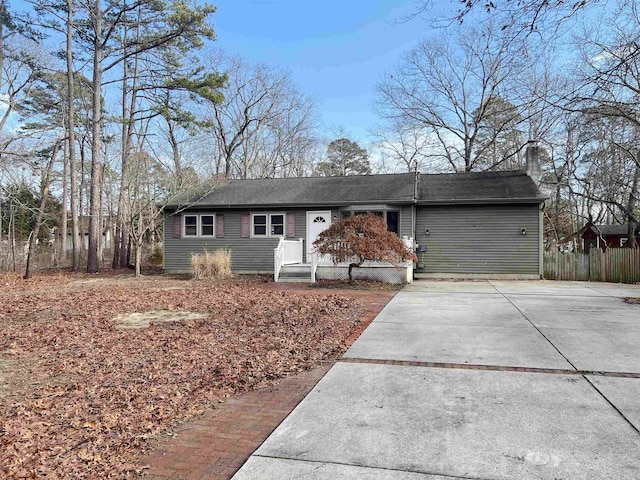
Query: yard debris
{"type": "Point", "coordinates": [631, 300]}
{"type": "Point", "coordinates": [92, 395]}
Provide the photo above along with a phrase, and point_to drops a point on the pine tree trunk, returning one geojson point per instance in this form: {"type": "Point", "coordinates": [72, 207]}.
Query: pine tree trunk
{"type": "Point", "coordinates": [71, 141]}
{"type": "Point", "coordinates": [96, 144]}
{"type": "Point", "coordinates": [65, 210]}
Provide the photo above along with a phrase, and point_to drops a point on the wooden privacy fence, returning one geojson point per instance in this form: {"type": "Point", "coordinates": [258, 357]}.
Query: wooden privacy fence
{"type": "Point", "coordinates": [618, 265]}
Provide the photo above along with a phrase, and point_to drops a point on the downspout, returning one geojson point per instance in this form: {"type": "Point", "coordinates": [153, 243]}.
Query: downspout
{"type": "Point", "coordinates": [416, 180]}
{"type": "Point", "coordinates": [541, 241]}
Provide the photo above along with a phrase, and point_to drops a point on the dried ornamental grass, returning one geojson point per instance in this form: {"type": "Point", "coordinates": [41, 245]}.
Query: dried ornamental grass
{"type": "Point", "coordinates": [216, 264]}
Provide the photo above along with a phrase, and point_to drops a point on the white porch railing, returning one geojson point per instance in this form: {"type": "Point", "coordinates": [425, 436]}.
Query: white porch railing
{"type": "Point", "coordinates": [288, 252]}
{"type": "Point", "coordinates": [313, 257]}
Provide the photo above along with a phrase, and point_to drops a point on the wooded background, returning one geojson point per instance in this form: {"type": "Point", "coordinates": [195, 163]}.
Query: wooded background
{"type": "Point", "coordinates": [110, 107]}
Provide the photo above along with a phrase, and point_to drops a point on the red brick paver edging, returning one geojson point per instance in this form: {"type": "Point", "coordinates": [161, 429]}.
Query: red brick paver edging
{"type": "Point", "coordinates": [217, 444]}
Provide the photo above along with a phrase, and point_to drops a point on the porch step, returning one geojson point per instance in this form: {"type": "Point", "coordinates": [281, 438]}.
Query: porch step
{"type": "Point", "coordinates": [296, 267]}
{"type": "Point", "coordinates": [295, 273]}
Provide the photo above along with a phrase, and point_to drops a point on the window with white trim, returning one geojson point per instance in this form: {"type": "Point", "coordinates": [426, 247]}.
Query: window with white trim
{"type": "Point", "coordinates": [267, 224]}
{"type": "Point", "coordinates": [623, 242]}
{"type": "Point", "coordinates": [202, 225]}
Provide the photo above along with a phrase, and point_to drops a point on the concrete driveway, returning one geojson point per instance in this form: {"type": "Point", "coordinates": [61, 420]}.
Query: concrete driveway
{"type": "Point", "coordinates": [475, 380]}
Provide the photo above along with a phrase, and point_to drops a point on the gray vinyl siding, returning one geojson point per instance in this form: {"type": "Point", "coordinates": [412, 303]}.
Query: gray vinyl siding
{"type": "Point", "coordinates": [406, 220]}
{"type": "Point", "coordinates": [247, 254]}
{"type": "Point", "coordinates": [479, 239]}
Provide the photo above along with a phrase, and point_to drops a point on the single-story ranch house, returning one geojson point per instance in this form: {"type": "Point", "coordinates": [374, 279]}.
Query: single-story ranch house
{"type": "Point", "coordinates": [485, 225]}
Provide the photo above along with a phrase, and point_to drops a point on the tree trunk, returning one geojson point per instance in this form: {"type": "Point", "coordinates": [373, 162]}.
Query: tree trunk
{"type": "Point", "coordinates": [65, 211]}
{"type": "Point", "coordinates": [96, 143]}
{"type": "Point", "coordinates": [12, 230]}
{"type": "Point", "coordinates": [71, 141]}
{"type": "Point", "coordinates": [351, 267]}
{"type": "Point", "coordinates": [121, 245]}
{"type": "Point", "coordinates": [44, 196]}
{"type": "Point", "coordinates": [138, 258]}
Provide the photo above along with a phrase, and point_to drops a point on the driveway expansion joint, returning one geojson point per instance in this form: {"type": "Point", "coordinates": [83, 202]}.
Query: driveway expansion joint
{"type": "Point", "coordinates": [497, 368]}
{"type": "Point", "coordinates": [582, 373]}
{"type": "Point", "coordinates": [524, 315]}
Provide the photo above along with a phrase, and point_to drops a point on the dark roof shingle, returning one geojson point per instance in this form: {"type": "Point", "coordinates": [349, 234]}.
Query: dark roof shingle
{"type": "Point", "coordinates": [613, 229]}
{"type": "Point", "coordinates": [396, 188]}
{"type": "Point", "coordinates": [371, 189]}
{"type": "Point", "coordinates": [473, 186]}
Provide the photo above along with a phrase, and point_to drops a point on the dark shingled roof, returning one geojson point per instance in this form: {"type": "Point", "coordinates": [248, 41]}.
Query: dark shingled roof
{"type": "Point", "coordinates": [488, 187]}
{"type": "Point", "coordinates": [612, 229]}
{"type": "Point", "coordinates": [393, 188]}
{"type": "Point", "coordinates": [471, 187]}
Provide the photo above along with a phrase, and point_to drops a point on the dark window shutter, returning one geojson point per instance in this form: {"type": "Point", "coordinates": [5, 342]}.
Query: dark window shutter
{"type": "Point", "coordinates": [291, 224]}
{"type": "Point", "coordinates": [177, 226]}
{"type": "Point", "coordinates": [219, 225]}
{"type": "Point", "coordinates": [245, 225]}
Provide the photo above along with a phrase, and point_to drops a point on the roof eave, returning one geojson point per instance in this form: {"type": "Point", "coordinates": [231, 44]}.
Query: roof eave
{"type": "Point", "coordinates": [476, 201]}
{"type": "Point", "coordinates": [407, 201]}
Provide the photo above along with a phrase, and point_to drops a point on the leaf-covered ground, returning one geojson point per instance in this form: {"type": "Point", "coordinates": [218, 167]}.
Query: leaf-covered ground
{"type": "Point", "coordinates": [80, 397]}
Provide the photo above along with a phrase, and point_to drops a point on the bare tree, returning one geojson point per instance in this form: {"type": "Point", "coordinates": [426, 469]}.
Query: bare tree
{"type": "Point", "coordinates": [261, 114]}
{"type": "Point", "coordinates": [44, 196]}
{"type": "Point", "coordinates": [608, 98]}
{"type": "Point", "coordinates": [407, 147]}
{"type": "Point", "coordinates": [448, 87]}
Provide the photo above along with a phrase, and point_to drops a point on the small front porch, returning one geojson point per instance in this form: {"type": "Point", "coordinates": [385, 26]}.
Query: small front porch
{"type": "Point", "coordinates": [289, 266]}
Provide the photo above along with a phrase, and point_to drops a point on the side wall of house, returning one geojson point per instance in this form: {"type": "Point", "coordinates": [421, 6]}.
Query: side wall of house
{"type": "Point", "coordinates": [248, 254]}
{"type": "Point", "coordinates": [479, 239]}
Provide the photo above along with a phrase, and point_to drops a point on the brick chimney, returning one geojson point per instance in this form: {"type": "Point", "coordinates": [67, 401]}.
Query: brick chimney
{"type": "Point", "coordinates": [532, 165]}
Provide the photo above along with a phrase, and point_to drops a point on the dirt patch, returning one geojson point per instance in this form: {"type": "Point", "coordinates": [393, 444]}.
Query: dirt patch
{"type": "Point", "coordinates": [154, 317]}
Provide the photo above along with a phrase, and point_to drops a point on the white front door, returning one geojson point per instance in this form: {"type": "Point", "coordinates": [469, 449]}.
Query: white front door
{"type": "Point", "coordinates": [316, 223]}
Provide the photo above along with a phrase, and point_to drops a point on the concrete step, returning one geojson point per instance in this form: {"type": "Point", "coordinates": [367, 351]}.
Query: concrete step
{"type": "Point", "coordinates": [295, 274]}
{"type": "Point", "coordinates": [298, 267]}
{"type": "Point", "coordinates": [294, 280]}
{"type": "Point", "coordinates": [300, 272]}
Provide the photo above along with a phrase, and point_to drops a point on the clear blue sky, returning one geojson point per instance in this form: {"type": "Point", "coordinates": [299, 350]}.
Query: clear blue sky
{"type": "Point", "coordinates": [335, 50]}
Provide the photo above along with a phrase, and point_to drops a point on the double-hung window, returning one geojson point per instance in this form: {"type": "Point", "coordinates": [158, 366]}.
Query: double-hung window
{"type": "Point", "coordinates": [267, 224]}
{"type": "Point", "coordinates": [202, 225]}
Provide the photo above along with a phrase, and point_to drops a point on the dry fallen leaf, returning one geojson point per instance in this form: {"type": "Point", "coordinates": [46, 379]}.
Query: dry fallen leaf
{"type": "Point", "coordinates": [91, 394]}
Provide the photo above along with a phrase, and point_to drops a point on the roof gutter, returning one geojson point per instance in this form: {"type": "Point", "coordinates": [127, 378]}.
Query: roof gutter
{"type": "Point", "coordinates": [298, 205]}
{"type": "Point", "coordinates": [481, 201]}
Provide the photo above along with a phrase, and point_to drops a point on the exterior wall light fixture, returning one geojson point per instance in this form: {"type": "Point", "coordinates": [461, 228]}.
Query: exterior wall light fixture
{"type": "Point", "coordinates": [426, 231]}
{"type": "Point", "coordinates": [523, 231]}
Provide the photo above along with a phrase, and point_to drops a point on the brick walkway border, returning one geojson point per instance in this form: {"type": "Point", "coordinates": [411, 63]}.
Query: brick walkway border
{"type": "Point", "coordinates": [217, 444]}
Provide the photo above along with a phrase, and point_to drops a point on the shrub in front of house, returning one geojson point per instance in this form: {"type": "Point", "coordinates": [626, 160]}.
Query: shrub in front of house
{"type": "Point", "coordinates": [216, 264]}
